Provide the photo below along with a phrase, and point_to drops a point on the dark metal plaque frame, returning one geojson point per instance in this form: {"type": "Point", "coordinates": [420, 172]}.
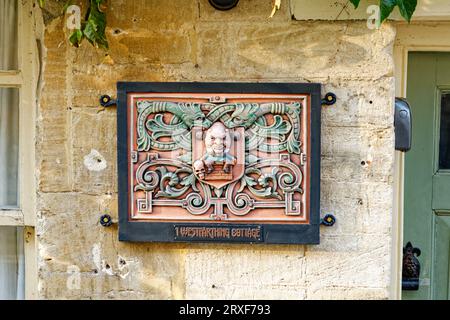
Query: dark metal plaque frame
{"type": "Point", "coordinates": [140, 231]}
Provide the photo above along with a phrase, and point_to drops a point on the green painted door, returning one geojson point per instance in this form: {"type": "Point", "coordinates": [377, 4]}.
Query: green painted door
{"type": "Point", "coordinates": [427, 172]}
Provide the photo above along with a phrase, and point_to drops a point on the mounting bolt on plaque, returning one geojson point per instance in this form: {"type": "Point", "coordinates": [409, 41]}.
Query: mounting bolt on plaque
{"type": "Point", "coordinates": [328, 220]}
{"type": "Point", "coordinates": [106, 220]}
{"type": "Point", "coordinates": [106, 101]}
{"type": "Point", "coordinates": [330, 99]}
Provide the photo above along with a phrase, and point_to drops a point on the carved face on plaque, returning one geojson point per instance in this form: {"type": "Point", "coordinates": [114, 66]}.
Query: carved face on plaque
{"type": "Point", "coordinates": [218, 140]}
{"type": "Point", "coordinates": [218, 154]}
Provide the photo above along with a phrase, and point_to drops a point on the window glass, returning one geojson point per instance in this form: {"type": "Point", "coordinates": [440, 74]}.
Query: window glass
{"type": "Point", "coordinates": [8, 35]}
{"type": "Point", "coordinates": [9, 146]}
{"type": "Point", "coordinates": [444, 140]}
{"type": "Point", "coordinates": [12, 266]}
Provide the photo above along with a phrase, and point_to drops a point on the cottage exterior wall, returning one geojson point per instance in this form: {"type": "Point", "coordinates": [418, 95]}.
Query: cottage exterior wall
{"type": "Point", "coordinates": [177, 40]}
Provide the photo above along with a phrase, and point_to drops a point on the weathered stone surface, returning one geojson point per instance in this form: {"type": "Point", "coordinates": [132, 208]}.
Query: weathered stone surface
{"type": "Point", "coordinates": [358, 209]}
{"type": "Point", "coordinates": [94, 131]}
{"type": "Point", "coordinates": [151, 14]}
{"type": "Point", "coordinates": [161, 47]}
{"type": "Point", "coordinates": [347, 270]}
{"type": "Point", "coordinates": [225, 272]}
{"type": "Point", "coordinates": [356, 141]}
{"type": "Point", "coordinates": [180, 40]}
{"type": "Point", "coordinates": [248, 10]}
{"type": "Point", "coordinates": [360, 103]}
{"type": "Point", "coordinates": [210, 44]}
{"type": "Point", "coordinates": [90, 83]}
{"type": "Point", "coordinates": [53, 160]}
{"type": "Point", "coordinates": [72, 239]}
{"type": "Point", "coordinates": [314, 50]}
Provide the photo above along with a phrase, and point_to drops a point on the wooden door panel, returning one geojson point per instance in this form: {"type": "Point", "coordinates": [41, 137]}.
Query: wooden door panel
{"type": "Point", "coordinates": [442, 67]}
{"type": "Point", "coordinates": [441, 255]}
{"type": "Point", "coordinates": [419, 168]}
{"type": "Point", "coordinates": [427, 172]}
{"type": "Point", "coordinates": [441, 192]}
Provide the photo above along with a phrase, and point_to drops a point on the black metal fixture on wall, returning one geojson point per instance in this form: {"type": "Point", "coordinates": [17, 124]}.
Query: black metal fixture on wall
{"type": "Point", "coordinates": [328, 220]}
{"type": "Point", "coordinates": [106, 220]}
{"type": "Point", "coordinates": [411, 267]}
{"type": "Point", "coordinates": [330, 99]}
{"type": "Point", "coordinates": [107, 101]}
{"type": "Point", "coordinates": [403, 125]}
{"type": "Point", "coordinates": [223, 4]}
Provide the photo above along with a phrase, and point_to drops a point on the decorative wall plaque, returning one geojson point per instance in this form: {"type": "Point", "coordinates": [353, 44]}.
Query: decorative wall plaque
{"type": "Point", "coordinates": [225, 162]}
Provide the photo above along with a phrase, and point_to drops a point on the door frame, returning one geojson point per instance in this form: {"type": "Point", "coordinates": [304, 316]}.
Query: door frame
{"type": "Point", "coordinates": [420, 36]}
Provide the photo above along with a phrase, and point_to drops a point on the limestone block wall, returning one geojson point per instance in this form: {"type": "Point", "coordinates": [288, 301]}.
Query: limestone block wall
{"type": "Point", "coordinates": [178, 40]}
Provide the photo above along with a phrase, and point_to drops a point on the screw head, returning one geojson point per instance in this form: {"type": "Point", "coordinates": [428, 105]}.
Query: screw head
{"type": "Point", "coordinates": [330, 99]}
{"type": "Point", "coordinates": [328, 220]}
{"type": "Point", "coordinates": [106, 220]}
{"type": "Point", "coordinates": [104, 100]}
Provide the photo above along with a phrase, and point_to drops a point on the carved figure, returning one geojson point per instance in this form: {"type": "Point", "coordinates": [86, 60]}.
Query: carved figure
{"type": "Point", "coordinates": [199, 168]}
{"type": "Point", "coordinates": [218, 144]}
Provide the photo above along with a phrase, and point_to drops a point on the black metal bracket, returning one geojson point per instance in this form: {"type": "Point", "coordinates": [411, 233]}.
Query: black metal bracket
{"type": "Point", "coordinates": [330, 99]}
{"type": "Point", "coordinates": [328, 220]}
{"type": "Point", "coordinates": [106, 220]}
{"type": "Point", "coordinates": [106, 101]}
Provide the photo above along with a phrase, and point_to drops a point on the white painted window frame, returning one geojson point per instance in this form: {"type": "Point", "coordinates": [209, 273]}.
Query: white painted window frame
{"type": "Point", "coordinates": [26, 80]}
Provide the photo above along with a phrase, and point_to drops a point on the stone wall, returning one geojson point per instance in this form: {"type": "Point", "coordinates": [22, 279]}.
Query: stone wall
{"type": "Point", "coordinates": [181, 40]}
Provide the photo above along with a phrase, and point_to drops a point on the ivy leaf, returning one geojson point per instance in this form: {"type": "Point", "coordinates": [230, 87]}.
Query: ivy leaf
{"type": "Point", "coordinates": [406, 8]}
{"type": "Point", "coordinates": [76, 37]}
{"type": "Point", "coordinates": [95, 27]}
{"type": "Point", "coordinates": [355, 3]}
{"type": "Point", "coordinates": [386, 8]}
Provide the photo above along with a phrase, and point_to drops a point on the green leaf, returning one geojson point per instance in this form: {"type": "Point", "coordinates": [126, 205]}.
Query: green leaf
{"type": "Point", "coordinates": [95, 27]}
{"type": "Point", "coordinates": [355, 3]}
{"type": "Point", "coordinates": [76, 37]}
{"type": "Point", "coordinates": [406, 7]}
{"type": "Point", "coordinates": [41, 3]}
{"type": "Point", "coordinates": [386, 8]}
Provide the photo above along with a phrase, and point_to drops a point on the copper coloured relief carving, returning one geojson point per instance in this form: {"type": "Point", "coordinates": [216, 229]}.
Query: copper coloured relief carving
{"type": "Point", "coordinates": [192, 159]}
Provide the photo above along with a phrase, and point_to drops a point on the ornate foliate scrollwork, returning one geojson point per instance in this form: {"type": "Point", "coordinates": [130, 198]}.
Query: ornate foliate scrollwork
{"type": "Point", "coordinates": [198, 203]}
{"type": "Point", "coordinates": [267, 182]}
{"type": "Point", "coordinates": [248, 115]}
{"type": "Point", "coordinates": [151, 130]}
{"type": "Point", "coordinates": [198, 180]}
{"type": "Point", "coordinates": [170, 180]}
